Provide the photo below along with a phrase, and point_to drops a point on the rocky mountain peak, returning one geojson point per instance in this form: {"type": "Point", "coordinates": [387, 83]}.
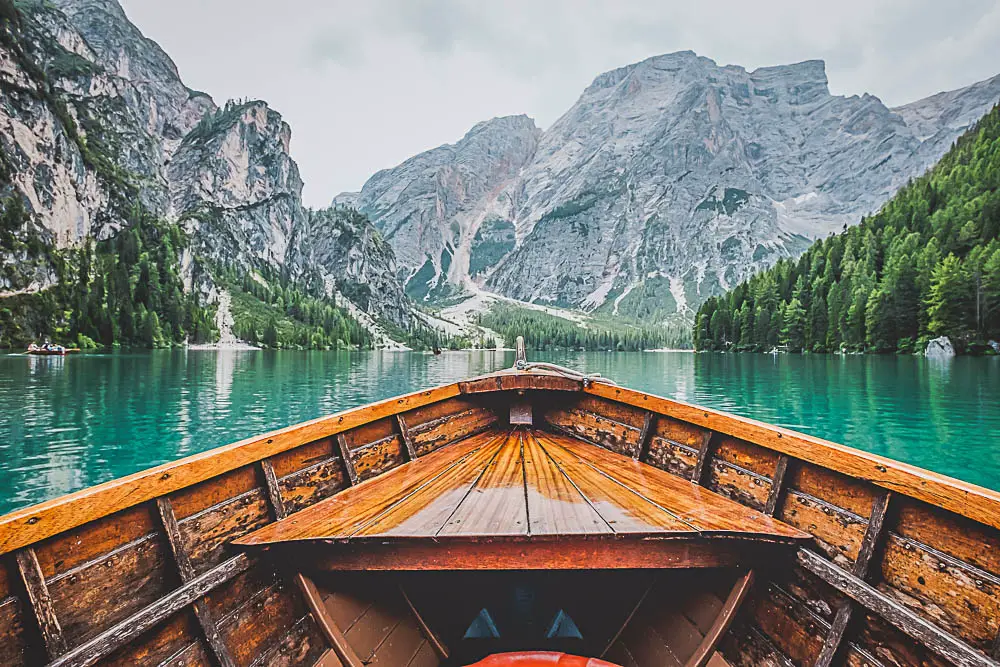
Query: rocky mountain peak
{"type": "Point", "coordinates": [666, 182]}
{"type": "Point", "coordinates": [502, 125]}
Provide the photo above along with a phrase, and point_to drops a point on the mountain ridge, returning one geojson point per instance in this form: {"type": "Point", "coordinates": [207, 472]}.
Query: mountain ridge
{"type": "Point", "coordinates": [667, 181]}
{"type": "Point", "coordinates": [99, 124]}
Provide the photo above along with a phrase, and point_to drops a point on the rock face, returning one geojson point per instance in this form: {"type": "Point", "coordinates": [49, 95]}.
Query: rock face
{"type": "Point", "coordinates": [236, 187]}
{"type": "Point", "coordinates": [96, 118]}
{"type": "Point", "coordinates": [939, 348]}
{"type": "Point", "coordinates": [438, 208]}
{"type": "Point", "coordinates": [668, 181]}
{"type": "Point", "coordinates": [352, 258]}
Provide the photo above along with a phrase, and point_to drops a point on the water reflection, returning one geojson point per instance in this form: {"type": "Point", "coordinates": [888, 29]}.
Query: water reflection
{"type": "Point", "coordinates": [66, 423]}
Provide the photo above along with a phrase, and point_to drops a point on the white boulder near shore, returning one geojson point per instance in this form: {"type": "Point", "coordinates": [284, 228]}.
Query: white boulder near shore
{"type": "Point", "coordinates": [939, 348]}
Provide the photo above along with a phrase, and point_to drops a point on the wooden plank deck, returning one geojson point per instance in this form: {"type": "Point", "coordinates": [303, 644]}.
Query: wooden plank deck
{"type": "Point", "coordinates": [523, 485]}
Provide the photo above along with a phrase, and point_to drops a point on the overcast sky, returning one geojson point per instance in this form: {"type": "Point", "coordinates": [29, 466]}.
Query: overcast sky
{"type": "Point", "coordinates": [366, 84]}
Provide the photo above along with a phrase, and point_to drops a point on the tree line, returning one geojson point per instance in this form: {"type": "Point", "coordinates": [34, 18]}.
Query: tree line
{"type": "Point", "coordinates": [926, 265]}
{"type": "Point", "coordinates": [122, 291]}
{"type": "Point", "coordinates": [542, 331]}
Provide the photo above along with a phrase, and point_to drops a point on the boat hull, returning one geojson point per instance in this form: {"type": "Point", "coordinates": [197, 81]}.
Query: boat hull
{"type": "Point", "coordinates": [903, 566]}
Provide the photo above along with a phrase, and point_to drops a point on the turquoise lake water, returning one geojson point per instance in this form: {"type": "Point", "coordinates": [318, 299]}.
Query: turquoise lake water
{"type": "Point", "coordinates": [68, 423]}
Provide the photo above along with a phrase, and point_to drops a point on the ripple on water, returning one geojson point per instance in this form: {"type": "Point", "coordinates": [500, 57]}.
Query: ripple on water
{"type": "Point", "coordinates": [96, 417]}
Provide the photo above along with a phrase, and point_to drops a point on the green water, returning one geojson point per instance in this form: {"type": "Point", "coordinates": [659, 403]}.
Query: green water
{"type": "Point", "coordinates": [68, 423]}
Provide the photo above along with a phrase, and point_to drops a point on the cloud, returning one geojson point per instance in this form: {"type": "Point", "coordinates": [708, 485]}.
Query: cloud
{"type": "Point", "coordinates": [337, 46]}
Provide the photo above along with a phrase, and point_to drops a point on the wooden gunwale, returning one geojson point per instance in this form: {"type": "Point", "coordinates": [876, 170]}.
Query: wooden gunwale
{"type": "Point", "coordinates": [32, 524]}
{"type": "Point", "coordinates": [963, 498]}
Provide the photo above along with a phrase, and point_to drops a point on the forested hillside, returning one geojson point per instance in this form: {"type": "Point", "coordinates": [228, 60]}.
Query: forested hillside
{"type": "Point", "coordinates": [926, 265]}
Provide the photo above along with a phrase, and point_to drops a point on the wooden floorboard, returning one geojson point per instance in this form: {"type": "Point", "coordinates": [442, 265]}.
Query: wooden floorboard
{"type": "Point", "coordinates": [555, 504]}
{"type": "Point", "coordinates": [704, 510]}
{"type": "Point", "coordinates": [342, 515]}
{"type": "Point", "coordinates": [522, 484]}
{"type": "Point", "coordinates": [428, 509]}
{"type": "Point", "coordinates": [496, 506]}
{"type": "Point", "coordinates": [625, 511]}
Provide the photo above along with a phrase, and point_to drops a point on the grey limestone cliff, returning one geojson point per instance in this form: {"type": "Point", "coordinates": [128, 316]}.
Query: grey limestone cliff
{"type": "Point", "coordinates": [667, 181]}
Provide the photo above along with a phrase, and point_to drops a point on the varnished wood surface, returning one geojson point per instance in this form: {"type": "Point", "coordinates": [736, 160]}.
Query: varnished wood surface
{"type": "Point", "coordinates": [974, 502]}
{"type": "Point", "coordinates": [333, 633]}
{"type": "Point", "coordinates": [572, 552]}
{"type": "Point", "coordinates": [522, 484]}
{"type": "Point", "coordinates": [706, 649]}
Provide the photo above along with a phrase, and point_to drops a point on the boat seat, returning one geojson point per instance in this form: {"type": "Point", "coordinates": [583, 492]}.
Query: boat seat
{"type": "Point", "coordinates": [524, 498]}
{"type": "Point", "coordinates": [540, 659]}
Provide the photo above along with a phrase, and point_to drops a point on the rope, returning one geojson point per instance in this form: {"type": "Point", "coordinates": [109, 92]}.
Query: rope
{"type": "Point", "coordinates": [567, 372]}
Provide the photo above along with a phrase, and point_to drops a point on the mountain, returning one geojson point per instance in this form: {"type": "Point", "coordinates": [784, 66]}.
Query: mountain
{"type": "Point", "coordinates": [98, 130]}
{"type": "Point", "coordinates": [927, 264]}
{"type": "Point", "coordinates": [668, 181]}
{"type": "Point", "coordinates": [446, 212]}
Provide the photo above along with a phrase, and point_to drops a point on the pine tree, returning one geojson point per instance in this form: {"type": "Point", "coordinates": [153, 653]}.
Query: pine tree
{"type": "Point", "coordinates": [793, 330]}
{"type": "Point", "coordinates": [271, 333]}
{"type": "Point", "coordinates": [991, 290]}
{"type": "Point", "coordinates": [948, 304]}
{"type": "Point", "coordinates": [924, 265]}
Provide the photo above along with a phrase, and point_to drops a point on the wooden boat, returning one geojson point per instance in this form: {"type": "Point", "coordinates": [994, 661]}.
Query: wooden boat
{"type": "Point", "coordinates": [527, 510]}
{"type": "Point", "coordinates": [52, 353]}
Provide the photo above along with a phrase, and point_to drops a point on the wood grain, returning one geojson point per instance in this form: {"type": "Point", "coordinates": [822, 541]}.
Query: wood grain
{"type": "Point", "coordinates": [333, 633]}
{"type": "Point", "coordinates": [707, 647]}
{"type": "Point", "coordinates": [427, 510]}
{"type": "Point", "coordinates": [565, 553]}
{"type": "Point", "coordinates": [555, 504]}
{"type": "Point", "coordinates": [187, 572]}
{"type": "Point", "coordinates": [702, 509]}
{"type": "Point", "coordinates": [777, 485]}
{"type": "Point", "coordinates": [648, 428]}
{"type": "Point", "coordinates": [91, 651]}
{"type": "Point", "coordinates": [340, 516]}
{"type": "Point", "coordinates": [963, 498]}
{"type": "Point", "coordinates": [404, 433]}
{"type": "Point", "coordinates": [915, 626]}
{"type": "Point", "coordinates": [496, 505]}
{"type": "Point", "coordinates": [428, 633]}
{"type": "Point", "coordinates": [41, 602]}
{"type": "Point", "coordinates": [345, 457]}
{"type": "Point", "coordinates": [624, 510]}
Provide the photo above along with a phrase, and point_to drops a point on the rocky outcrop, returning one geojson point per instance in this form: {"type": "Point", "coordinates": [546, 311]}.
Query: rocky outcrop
{"type": "Point", "coordinates": [236, 188]}
{"type": "Point", "coordinates": [939, 348]}
{"type": "Point", "coordinates": [668, 181]}
{"type": "Point", "coordinates": [352, 259]}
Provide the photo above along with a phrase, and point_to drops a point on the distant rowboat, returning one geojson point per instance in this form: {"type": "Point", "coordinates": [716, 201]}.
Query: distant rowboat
{"type": "Point", "coordinates": [52, 353]}
{"type": "Point", "coordinates": [518, 519]}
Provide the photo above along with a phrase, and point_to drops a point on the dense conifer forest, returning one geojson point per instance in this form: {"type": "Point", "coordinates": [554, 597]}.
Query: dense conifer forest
{"type": "Point", "coordinates": [926, 265]}
{"type": "Point", "coordinates": [542, 331]}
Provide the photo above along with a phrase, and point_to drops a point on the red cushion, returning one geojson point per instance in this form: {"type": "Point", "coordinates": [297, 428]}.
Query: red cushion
{"type": "Point", "coordinates": [540, 659]}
